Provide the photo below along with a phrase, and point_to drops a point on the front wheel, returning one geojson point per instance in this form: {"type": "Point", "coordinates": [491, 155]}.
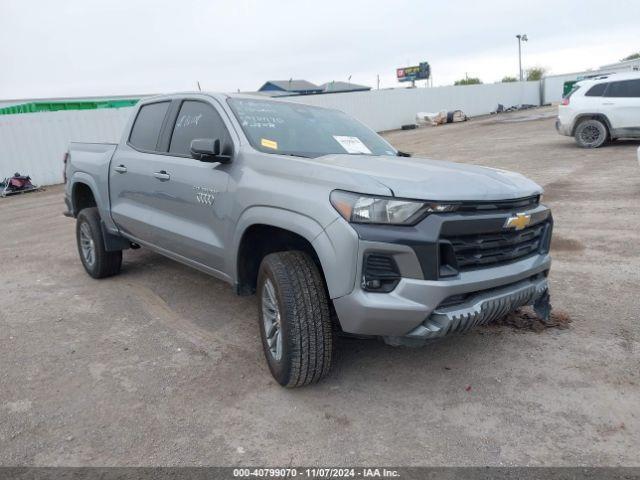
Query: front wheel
{"type": "Point", "coordinates": [295, 324]}
{"type": "Point", "coordinates": [591, 134]}
{"type": "Point", "coordinates": [96, 260]}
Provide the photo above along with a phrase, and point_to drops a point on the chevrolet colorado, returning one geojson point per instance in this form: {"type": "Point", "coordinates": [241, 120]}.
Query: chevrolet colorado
{"type": "Point", "coordinates": [331, 226]}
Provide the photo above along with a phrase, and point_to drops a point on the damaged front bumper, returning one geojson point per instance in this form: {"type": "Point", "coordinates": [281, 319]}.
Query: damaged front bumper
{"type": "Point", "coordinates": [425, 309]}
{"type": "Point", "coordinates": [479, 309]}
{"type": "Point", "coordinates": [448, 273]}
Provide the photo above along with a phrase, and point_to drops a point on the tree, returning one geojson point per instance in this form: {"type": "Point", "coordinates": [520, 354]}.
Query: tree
{"type": "Point", "coordinates": [633, 56]}
{"type": "Point", "coordinates": [467, 80]}
{"type": "Point", "coordinates": [509, 79]}
{"type": "Point", "coordinates": [536, 73]}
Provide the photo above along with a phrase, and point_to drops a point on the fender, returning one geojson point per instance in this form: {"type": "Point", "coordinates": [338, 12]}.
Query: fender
{"type": "Point", "coordinates": [338, 274]}
{"type": "Point", "coordinates": [101, 196]}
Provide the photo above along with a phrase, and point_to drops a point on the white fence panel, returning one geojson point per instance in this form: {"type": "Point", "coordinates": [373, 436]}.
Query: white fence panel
{"type": "Point", "coordinates": [390, 109]}
{"type": "Point", "coordinates": [553, 86]}
{"type": "Point", "coordinates": [34, 143]}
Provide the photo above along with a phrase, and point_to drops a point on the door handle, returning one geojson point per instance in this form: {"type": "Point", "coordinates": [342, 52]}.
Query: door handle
{"type": "Point", "coordinates": [162, 175]}
{"type": "Point", "coordinates": [120, 169]}
{"type": "Point", "coordinates": [608, 103]}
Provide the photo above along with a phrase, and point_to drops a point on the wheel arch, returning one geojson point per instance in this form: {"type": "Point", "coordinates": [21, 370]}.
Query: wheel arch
{"type": "Point", "coordinates": [83, 184]}
{"type": "Point", "coordinates": [592, 116]}
{"type": "Point", "coordinates": [263, 230]}
{"type": "Point", "coordinates": [84, 195]}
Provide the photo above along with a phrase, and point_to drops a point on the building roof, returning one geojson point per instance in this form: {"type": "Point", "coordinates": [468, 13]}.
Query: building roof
{"type": "Point", "coordinates": [334, 86]}
{"type": "Point", "coordinates": [290, 86]}
{"type": "Point", "coordinates": [625, 63]}
{"type": "Point", "coordinates": [273, 93]}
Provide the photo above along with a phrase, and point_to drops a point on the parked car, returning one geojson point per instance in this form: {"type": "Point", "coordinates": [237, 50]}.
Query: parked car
{"type": "Point", "coordinates": [601, 109]}
{"type": "Point", "coordinates": [332, 227]}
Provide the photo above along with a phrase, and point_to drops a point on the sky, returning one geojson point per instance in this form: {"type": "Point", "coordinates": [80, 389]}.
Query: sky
{"type": "Point", "coordinates": [70, 48]}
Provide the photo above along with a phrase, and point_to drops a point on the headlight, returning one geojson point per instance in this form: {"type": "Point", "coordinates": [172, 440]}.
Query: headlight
{"type": "Point", "coordinates": [356, 208]}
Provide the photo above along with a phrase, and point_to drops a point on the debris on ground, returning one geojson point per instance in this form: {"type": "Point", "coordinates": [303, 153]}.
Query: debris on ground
{"type": "Point", "coordinates": [431, 118]}
{"type": "Point", "coordinates": [17, 184]}
{"type": "Point", "coordinates": [440, 118]}
{"type": "Point", "coordinates": [514, 108]}
{"type": "Point", "coordinates": [456, 116]}
{"type": "Point", "coordinates": [526, 319]}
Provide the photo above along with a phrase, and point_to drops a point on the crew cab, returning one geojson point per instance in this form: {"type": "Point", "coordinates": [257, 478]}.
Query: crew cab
{"type": "Point", "coordinates": [333, 228]}
{"type": "Point", "coordinates": [601, 109]}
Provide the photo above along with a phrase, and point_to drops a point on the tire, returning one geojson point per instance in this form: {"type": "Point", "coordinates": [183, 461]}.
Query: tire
{"type": "Point", "coordinates": [591, 134]}
{"type": "Point", "coordinates": [295, 323]}
{"type": "Point", "coordinates": [95, 259]}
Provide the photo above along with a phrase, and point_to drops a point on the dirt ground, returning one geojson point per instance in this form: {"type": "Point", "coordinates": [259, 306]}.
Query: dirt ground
{"type": "Point", "coordinates": [162, 365]}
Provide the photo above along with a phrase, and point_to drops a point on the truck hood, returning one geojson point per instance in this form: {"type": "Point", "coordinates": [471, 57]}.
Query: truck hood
{"type": "Point", "coordinates": [421, 178]}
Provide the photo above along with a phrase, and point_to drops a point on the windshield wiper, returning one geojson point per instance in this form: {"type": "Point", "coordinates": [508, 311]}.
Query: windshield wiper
{"type": "Point", "coordinates": [291, 154]}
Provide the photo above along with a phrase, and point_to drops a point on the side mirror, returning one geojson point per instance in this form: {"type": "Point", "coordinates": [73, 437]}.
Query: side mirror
{"type": "Point", "coordinates": [209, 150]}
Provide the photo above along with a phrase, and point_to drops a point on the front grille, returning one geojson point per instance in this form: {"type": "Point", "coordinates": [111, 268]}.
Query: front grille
{"type": "Point", "coordinates": [500, 205]}
{"type": "Point", "coordinates": [492, 249]}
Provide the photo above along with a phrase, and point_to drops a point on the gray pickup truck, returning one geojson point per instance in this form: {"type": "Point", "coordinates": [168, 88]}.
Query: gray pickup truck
{"type": "Point", "coordinates": [332, 227]}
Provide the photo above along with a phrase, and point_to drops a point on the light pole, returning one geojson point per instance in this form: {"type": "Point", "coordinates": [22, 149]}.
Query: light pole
{"type": "Point", "coordinates": [521, 38]}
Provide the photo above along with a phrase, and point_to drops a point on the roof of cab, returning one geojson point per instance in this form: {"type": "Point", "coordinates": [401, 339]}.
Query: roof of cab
{"type": "Point", "coordinates": [218, 95]}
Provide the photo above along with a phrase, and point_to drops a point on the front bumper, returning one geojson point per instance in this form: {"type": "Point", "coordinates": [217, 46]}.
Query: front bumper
{"type": "Point", "coordinates": [480, 309]}
{"type": "Point", "coordinates": [411, 309]}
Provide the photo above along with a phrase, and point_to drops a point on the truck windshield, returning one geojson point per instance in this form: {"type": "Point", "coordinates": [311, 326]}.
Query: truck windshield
{"type": "Point", "coordinates": [301, 130]}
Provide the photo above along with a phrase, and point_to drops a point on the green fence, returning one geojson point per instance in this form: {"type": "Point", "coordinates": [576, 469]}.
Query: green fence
{"type": "Point", "coordinates": [34, 107]}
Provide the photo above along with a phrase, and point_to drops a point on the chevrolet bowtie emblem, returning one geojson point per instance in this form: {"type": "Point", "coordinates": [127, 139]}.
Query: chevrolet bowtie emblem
{"type": "Point", "coordinates": [518, 222]}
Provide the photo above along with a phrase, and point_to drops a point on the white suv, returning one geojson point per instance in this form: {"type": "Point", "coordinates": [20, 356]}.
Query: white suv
{"type": "Point", "coordinates": [600, 109]}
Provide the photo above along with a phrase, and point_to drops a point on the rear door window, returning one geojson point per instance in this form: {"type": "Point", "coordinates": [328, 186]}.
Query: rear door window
{"type": "Point", "coordinates": [196, 120]}
{"type": "Point", "coordinates": [597, 90]}
{"type": "Point", "coordinates": [147, 126]}
{"type": "Point", "coordinates": [624, 89]}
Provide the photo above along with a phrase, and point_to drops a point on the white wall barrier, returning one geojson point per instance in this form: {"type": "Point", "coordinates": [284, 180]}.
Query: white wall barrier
{"type": "Point", "coordinates": [390, 109]}
{"type": "Point", "coordinates": [34, 143]}
{"type": "Point", "coordinates": [553, 86]}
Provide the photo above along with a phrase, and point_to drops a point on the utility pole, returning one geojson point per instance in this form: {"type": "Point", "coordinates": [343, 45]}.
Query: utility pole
{"type": "Point", "coordinates": [378, 80]}
{"type": "Point", "coordinates": [521, 38]}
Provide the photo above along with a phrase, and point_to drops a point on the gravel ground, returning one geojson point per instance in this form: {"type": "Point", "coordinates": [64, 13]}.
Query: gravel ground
{"type": "Point", "coordinates": [162, 365]}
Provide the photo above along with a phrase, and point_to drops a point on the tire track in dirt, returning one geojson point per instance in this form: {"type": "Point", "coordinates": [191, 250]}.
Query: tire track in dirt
{"type": "Point", "coordinates": [160, 311]}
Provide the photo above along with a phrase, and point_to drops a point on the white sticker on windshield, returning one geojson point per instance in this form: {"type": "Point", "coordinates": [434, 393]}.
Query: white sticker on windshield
{"type": "Point", "coordinates": [352, 144]}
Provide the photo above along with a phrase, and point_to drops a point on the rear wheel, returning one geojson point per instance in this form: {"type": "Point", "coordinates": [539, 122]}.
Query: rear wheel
{"type": "Point", "coordinates": [295, 323]}
{"type": "Point", "coordinates": [98, 262]}
{"type": "Point", "coordinates": [591, 134]}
